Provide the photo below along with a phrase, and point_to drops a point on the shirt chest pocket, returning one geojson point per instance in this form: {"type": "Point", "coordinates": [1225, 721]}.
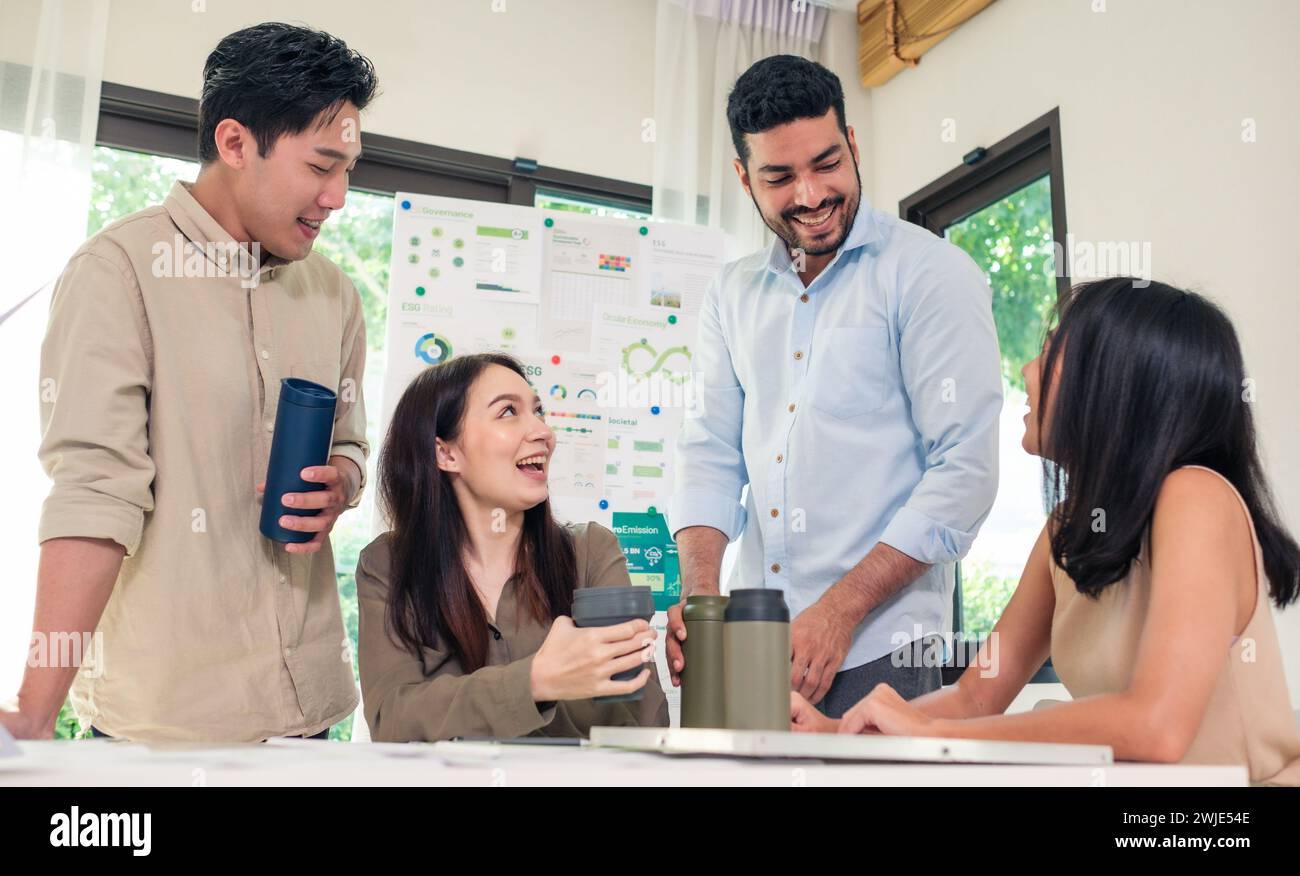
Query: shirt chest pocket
{"type": "Point", "coordinates": [850, 371]}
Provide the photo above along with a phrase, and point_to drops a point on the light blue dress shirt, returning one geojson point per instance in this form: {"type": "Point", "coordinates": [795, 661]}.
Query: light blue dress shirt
{"type": "Point", "coordinates": [861, 409]}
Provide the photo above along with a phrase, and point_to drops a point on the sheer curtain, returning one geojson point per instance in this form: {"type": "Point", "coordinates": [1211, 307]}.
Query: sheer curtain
{"type": "Point", "coordinates": [701, 48]}
{"type": "Point", "coordinates": [51, 61]}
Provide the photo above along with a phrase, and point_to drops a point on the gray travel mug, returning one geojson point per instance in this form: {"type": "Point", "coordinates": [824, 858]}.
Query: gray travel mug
{"type": "Point", "coordinates": [756, 649]}
{"type": "Point", "coordinates": [607, 606]}
{"type": "Point", "coordinates": [703, 677]}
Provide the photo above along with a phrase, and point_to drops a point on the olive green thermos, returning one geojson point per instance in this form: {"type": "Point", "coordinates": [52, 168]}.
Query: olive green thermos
{"type": "Point", "coordinates": [703, 679]}
{"type": "Point", "coordinates": [756, 655]}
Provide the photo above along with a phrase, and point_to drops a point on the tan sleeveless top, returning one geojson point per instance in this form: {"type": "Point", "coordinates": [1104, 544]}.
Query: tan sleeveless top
{"type": "Point", "coordinates": [1248, 720]}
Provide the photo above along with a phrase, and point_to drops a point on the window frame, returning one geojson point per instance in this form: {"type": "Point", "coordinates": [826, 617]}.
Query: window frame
{"type": "Point", "coordinates": [1013, 162]}
{"type": "Point", "coordinates": [543, 192]}
{"type": "Point", "coordinates": [166, 124]}
{"type": "Point", "coordinates": [1028, 154]}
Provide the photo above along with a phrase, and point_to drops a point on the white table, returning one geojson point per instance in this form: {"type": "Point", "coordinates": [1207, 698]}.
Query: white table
{"type": "Point", "coordinates": [293, 762]}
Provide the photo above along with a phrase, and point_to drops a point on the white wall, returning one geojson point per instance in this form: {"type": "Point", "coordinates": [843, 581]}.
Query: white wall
{"type": "Point", "coordinates": [1152, 96]}
{"type": "Point", "coordinates": [566, 82]}
{"type": "Point", "coordinates": [840, 44]}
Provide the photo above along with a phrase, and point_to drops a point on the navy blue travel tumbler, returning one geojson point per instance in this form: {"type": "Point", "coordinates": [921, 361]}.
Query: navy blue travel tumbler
{"type": "Point", "coordinates": [304, 425]}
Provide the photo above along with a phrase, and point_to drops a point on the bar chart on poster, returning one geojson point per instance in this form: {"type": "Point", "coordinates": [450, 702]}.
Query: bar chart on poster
{"type": "Point", "coordinates": [602, 314]}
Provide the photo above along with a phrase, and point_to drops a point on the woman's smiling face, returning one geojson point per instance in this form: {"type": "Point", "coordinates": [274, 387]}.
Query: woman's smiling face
{"type": "Point", "coordinates": [503, 452]}
{"type": "Point", "coordinates": [1034, 439]}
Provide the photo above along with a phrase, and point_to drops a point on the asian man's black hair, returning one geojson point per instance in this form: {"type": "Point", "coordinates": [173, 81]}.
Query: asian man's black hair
{"type": "Point", "coordinates": [277, 79]}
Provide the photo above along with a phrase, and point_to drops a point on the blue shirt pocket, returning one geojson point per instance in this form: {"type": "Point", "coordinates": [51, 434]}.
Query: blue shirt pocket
{"type": "Point", "coordinates": [849, 370]}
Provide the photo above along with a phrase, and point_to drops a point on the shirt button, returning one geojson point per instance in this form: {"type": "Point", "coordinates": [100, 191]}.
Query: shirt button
{"type": "Point", "coordinates": [779, 457]}
{"type": "Point", "coordinates": [496, 634]}
{"type": "Point", "coordinates": [282, 579]}
{"type": "Point", "coordinates": [804, 298]}
{"type": "Point", "coordinates": [798, 354]}
{"type": "Point", "coordinates": [266, 355]}
{"type": "Point", "coordinates": [775, 512]}
{"type": "Point", "coordinates": [288, 652]}
{"type": "Point", "coordinates": [792, 409]}
{"type": "Point", "coordinates": [270, 425]}
{"type": "Point", "coordinates": [776, 567]}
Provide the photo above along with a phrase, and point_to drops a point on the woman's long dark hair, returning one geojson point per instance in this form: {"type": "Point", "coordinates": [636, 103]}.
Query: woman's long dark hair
{"type": "Point", "coordinates": [432, 598]}
{"type": "Point", "coordinates": [1151, 379]}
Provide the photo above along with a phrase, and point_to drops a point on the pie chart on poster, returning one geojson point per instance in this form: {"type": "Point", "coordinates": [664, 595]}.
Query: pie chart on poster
{"type": "Point", "coordinates": [432, 348]}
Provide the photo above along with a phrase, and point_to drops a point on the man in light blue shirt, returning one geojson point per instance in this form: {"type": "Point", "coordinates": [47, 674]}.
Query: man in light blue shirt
{"type": "Point", "coordinates": [849, 375]}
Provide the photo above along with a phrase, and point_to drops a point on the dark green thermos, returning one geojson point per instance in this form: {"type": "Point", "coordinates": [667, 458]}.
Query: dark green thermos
{"type": "Point", "coordinates": [756, 651]}
{"type": "Point", "coordinates": [703, 680]}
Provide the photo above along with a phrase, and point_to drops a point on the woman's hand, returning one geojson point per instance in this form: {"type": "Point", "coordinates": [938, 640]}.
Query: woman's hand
{"type": "Point", "coordinates": [885, 711]}
{"type": "Point", "coordinates": [805, 718]}
{"type": "Point", "coordinates": [578, 663]}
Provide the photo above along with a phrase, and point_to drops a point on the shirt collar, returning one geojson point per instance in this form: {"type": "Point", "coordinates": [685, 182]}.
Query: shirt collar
{"type": "Point", "coordinates": [209, 237]}
{"type": "Point", "coordinates": [862, 232]}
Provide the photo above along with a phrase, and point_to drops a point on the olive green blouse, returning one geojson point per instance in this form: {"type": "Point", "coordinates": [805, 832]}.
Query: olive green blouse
{"type": "Point", "coordinates": [431, 697]}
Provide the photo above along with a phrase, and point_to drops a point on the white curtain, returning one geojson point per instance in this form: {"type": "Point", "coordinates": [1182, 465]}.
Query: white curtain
{"type": "Point", "coordinates": [51, 62]}
{"type": "Point", "coordinates": [701, 48]}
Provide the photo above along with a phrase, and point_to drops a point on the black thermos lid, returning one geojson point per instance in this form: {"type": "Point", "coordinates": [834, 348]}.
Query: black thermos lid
{"type": "Point", "coordinates": [759, 604]}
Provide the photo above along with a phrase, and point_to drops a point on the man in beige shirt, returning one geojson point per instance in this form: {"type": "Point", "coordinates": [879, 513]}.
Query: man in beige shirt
{"type": "Point", "coordinates": [169, 334]}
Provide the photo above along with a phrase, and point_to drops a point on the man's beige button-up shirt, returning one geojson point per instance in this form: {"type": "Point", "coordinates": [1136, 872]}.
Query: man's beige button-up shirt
{"type": "Point", "coordinates": [161, 371]}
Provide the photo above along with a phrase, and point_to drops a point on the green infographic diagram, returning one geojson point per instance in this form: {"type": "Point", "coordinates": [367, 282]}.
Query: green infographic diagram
{"type": "Point", "coordinates": [651, 555]}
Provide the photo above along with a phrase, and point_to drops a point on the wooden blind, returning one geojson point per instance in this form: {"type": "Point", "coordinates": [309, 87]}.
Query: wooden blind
{"type": "Point", "coordinates": [894, 34]}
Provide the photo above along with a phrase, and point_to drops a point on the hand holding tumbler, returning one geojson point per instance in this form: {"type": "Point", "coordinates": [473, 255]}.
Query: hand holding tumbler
{"type": "Point", "coordinates": [607, 607]}
{"type": "Point", "coordinates": [304, 425]}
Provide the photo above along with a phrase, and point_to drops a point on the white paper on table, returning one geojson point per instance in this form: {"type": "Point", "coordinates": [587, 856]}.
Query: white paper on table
{"type": "Point", "coordinates": [8, 747]}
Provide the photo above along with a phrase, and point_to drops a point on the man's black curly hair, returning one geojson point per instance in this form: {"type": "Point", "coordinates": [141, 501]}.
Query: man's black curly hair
{"type": "Point", "coordinates": [276, 79]}
{"type": "Point", "coordinates": [778, 90]}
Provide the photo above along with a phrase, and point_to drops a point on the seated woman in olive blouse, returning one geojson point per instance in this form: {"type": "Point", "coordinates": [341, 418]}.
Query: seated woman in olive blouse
{"type": "Point", "coordinates": [464, 628]}
{"type": "Point", "coordinates": [1150, 584]}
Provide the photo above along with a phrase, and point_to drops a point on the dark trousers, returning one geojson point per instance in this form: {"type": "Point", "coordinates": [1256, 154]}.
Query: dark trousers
{"type": "Point", "coordinates": [324, 734]}
{"type": "Point", "coordinates": [904, 670]}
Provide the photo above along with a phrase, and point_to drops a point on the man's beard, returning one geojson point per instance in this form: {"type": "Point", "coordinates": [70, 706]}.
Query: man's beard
{"type": "Point", "coordinates": [787, 232]}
